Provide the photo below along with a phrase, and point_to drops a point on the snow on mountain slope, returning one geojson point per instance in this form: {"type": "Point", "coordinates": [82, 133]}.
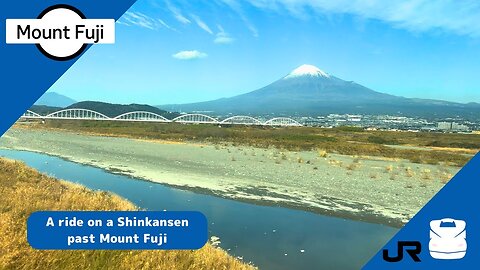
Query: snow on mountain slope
{"type": "Point", "coordinates": [307, 70]}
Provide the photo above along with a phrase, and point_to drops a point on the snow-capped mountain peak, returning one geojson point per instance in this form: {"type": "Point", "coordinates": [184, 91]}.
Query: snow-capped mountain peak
{"type": "Point", "coordinates": [307, 70]}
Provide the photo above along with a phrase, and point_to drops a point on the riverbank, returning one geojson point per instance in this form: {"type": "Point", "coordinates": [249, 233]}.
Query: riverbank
{"type": "Point", "coordinates": [371, 189]}
{"type": "Point", "coordinates": [24, 190]}
{"type": "Point", "coordinates": [445, 148]}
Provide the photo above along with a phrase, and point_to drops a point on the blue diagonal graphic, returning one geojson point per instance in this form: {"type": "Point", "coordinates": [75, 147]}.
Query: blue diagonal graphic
{"type": "Point", "coordinates": [25, 72]}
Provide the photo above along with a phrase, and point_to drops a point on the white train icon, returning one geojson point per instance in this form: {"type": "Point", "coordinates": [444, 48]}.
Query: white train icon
{"type": "Point", "coordinates": [448, 239]}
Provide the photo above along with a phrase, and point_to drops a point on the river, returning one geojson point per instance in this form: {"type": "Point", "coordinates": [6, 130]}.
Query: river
{"type": "Point", "coordinates": [273, 238]}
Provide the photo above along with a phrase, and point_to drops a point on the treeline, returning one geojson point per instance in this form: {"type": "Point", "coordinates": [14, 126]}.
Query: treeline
{"type": "Point", "coordinates": [108, 109]}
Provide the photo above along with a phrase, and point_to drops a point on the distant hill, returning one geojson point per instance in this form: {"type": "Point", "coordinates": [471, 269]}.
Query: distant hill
{"type": "Point", "coordinates": [53, 99]}
{"type": "Point", "coordinates": [113, 110]}
{"type": "Point", "coordinates": [44, 110]}
{"type": "Point", "coordinates": [309, 91]}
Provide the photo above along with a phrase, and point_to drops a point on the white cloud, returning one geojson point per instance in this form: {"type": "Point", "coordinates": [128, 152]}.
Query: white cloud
{"type": "Point", "coordinates": [123, 23]}
{"type": "Point", "coordinates": [223, 37]}
{"type": "Point", "coordinates": [237, 8]}
{"type": "Point", "coordinates": [139, 19]}
{"type": "Point", "coordinates": [182, 18]}
{"type": "Point", "coordinates": [459, 17]}
{"type": "Point", "coordinates": [164, 24]}
{"type": "Point", "coordinates": [250, 26]}
{"type": "Point", "coordinates": [189, 55]}
{"type": "Point", "coordinates": [202, 24]}
{"type": "Point", "coordinates": [177, 14]}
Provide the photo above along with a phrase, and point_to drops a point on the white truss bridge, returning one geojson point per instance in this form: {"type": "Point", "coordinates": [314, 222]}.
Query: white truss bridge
{"type": "Point", "coordinates": [143, 116]}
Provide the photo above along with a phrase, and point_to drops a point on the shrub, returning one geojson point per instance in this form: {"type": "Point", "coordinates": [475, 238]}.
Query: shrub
{"type": "Point", "coordinates": [322, 153]}
{"type": "Point", "coordinates": [409, 172]}
{"type": "Point", "coordinates": [335, 162]}
{"type": "Point", "coordinates": [352, 166]}
{"type": "Point", "coordinates": [426, 174]}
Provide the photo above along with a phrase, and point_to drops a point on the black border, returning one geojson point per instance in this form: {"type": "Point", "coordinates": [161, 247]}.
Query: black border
{"type": "Point", "coordinates": [67, 58]}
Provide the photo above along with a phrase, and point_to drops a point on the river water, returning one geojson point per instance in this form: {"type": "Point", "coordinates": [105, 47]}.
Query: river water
{"type": "Point", "coordinates": [273, 238]}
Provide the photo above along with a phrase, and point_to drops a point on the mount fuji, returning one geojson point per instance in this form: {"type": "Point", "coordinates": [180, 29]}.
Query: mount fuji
{"type": "Point", "coordinates": [309, 91]}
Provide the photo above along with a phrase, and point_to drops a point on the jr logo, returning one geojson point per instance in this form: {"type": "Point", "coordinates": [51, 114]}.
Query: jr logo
{"type": "Point", "coordinates": [413, 248]}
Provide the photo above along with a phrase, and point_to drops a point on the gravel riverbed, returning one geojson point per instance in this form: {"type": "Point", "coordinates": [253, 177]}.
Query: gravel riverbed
{"type": "Point", "coordinates": [362, 188]}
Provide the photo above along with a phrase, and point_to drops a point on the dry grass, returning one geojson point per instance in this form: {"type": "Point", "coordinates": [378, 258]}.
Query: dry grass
{"type": "Point", "coordinates": [322, 153]}
{"type": "Point", "coordinates": [445, 176]}
{"type": "Point", "coordinates": [426, 174]}
{"type": "Point", "coordinates": [353, 166]}
{"type": "Point", "coordinates": [335, 162]}
{"type": "Point", "coordinates": [409, 172]}
{"type": "Point", "coordinates": [23, 191]}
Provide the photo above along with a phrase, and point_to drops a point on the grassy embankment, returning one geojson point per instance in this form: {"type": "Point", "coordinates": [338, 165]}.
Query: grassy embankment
{"type": "Point", "coordinates": [23, 191]}
{"type": "Point", "coordinates": [439, 147]}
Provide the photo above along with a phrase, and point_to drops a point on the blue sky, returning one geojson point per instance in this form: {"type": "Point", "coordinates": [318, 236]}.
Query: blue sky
{"type": "Point", "coordinates": [187, 51]}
